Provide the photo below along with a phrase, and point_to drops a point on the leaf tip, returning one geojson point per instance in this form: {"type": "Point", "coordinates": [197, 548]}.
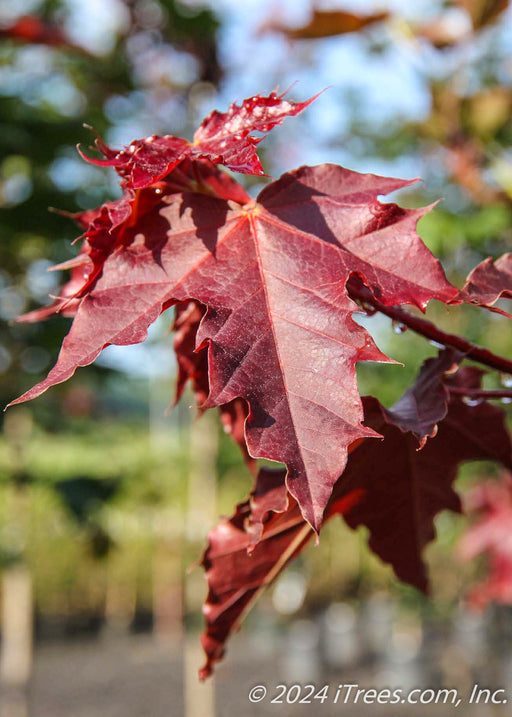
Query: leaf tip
{"type": "Point", "coordinates": [205, 671]}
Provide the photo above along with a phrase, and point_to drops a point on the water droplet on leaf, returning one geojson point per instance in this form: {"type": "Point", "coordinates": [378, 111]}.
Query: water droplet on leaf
{"type": "Point", "coordinates": [472, 401]}
{"type": "Point", "coordinates": [398, 327]}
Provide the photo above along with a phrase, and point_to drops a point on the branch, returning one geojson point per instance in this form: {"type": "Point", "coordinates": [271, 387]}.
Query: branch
{"type": "Point", "coordinates": [361, 293]}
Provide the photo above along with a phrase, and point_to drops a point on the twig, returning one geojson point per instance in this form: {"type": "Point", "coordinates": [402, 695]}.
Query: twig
{"type": "Point", "coordinates": [427, 329]}
{"type": "Point", "coordinates": [480, 392]}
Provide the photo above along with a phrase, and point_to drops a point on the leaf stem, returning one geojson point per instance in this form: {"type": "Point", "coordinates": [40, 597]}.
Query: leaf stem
{"type": "Point", "coordinates": [429, 330]}
{"type": "Point", "coordinates": [480, 392]}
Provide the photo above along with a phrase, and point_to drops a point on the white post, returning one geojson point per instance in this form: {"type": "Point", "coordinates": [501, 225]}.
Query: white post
{"type": "Point", "coordinates": [201, 516]}
{"type": "Point", "coordinates": [17, 626]}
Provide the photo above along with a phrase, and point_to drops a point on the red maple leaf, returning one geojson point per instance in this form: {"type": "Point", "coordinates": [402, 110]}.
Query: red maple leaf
{"type": "Point", "coordinates": [278, 326]}
{"type": "Point", "coordinates": [425, 403]}
{"type": "Point", "coordinates": [246, 552]}
{"type": "Point", "coordinates": [402, 496]}
{"type": "Point", "coordinates": [391, 486]}
{"type": "Point", "coordinates": [222, 138]}
{"type": "Point", "coordinates": [489, 281]}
